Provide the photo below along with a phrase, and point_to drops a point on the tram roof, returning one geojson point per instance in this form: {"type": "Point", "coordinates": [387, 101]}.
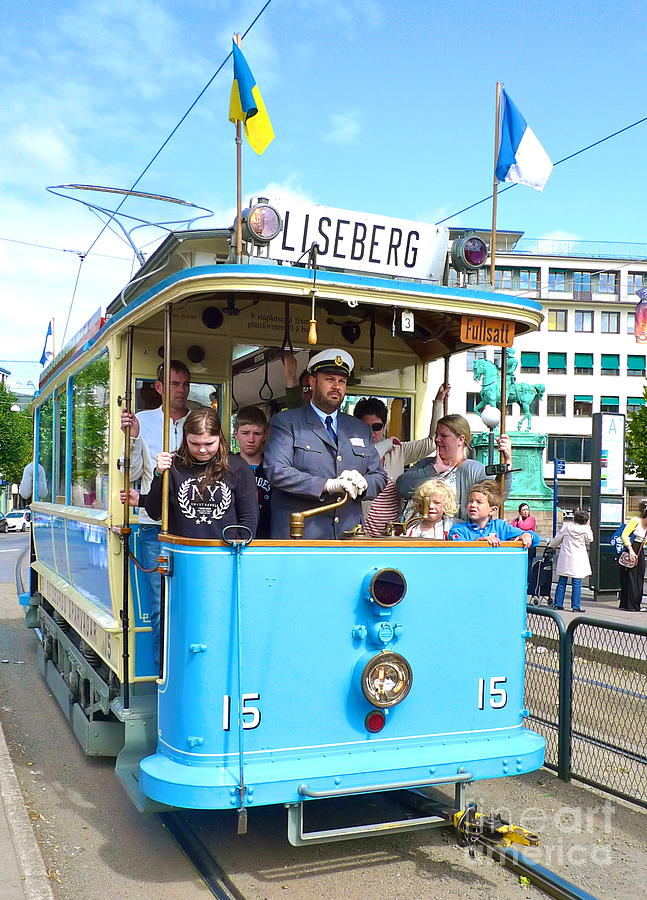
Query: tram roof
{"type": "Point", "coordinates": [196, 263]}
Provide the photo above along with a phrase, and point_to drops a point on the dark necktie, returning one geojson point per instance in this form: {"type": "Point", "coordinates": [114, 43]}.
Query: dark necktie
{"type": "Point", "coordinates": [330, 429]}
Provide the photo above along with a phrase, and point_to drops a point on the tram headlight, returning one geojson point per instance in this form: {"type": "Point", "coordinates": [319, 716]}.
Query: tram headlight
{"type": "Point", "coordinates": [386, 679]}
{"type": "Point", "coordinates": [469, 253]}
{"type": "Point", "coordinates": [386, 587]}
{"type": "Point", "coordinates": [261, 223]}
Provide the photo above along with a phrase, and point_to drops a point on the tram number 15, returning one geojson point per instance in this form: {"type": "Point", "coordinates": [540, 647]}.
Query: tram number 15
{"type": "Point", "coordinates": [251, 715]}
{"type": "Point", "coordinates": [497, 696]}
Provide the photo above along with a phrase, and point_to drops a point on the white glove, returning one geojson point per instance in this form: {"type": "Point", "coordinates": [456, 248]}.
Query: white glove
{"type": "Point", "coordinates": [357, 480]}
{"type": "Point", "coordinates": [334, 486]}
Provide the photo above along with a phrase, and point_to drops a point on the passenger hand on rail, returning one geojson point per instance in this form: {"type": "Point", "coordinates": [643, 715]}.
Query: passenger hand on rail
{"type": "Point", "coordinates": [129, 418]}
{"type": "Point", "coordinates": [164, 461]}
{"type": "Point", "coordinates": [505, 447]}
{"type": "Point", "coordinates": [526, 540]}
{"type": "Point", "coordinates": [443, 392]}
{"type": "Point", "coordinates": [133, 497]}
{"type": "Point", "coordinates": [494, 540]}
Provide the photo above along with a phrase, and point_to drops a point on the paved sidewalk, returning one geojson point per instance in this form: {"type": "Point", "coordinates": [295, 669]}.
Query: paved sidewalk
{"type": "Point", "coordinates": [606, 607]}
{"type": "Point", "coordinates": [22, 871]}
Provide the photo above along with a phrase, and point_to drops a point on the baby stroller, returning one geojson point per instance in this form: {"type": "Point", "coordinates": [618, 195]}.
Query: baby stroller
{"type": "Point", "coordinates": [540, 582]}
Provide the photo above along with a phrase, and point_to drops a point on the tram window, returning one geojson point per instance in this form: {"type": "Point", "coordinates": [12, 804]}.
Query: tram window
{"type": "Point", "coordinates": [147, 397]}
{"type": "Point", "coordinates": [61, 428]}
{"type": "Point", "coordinates": [399, 420]}
{"type": "Point", "coordinates": [90, 408]}
{"type": "Point", "coordinates": [46, 444]}
{"type": "Point", "coordinates": [471, 401]}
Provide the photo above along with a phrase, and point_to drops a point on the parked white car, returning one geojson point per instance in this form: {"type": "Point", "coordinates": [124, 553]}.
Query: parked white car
{"type": "Point", "coordinates": [18, 520]}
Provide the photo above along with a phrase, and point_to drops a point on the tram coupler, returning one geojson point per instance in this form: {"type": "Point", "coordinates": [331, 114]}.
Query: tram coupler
{"type": "Point", "coordinates": [472, 826]}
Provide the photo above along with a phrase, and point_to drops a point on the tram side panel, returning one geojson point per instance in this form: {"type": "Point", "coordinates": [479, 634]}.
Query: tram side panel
{"type": "Point", "coordinates": [308, 628]}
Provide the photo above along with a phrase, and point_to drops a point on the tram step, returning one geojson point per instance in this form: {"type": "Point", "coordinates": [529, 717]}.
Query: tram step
{"type": "Point", "coordinates": [97, 738]}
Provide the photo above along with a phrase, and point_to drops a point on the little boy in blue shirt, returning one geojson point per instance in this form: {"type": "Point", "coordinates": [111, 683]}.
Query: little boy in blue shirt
{"type": "Point", "coordinates": [482, 505]}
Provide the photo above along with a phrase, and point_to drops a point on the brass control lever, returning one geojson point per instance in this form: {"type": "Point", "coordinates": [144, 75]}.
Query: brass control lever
{"type": "Point", "coordinates": [297, 519]}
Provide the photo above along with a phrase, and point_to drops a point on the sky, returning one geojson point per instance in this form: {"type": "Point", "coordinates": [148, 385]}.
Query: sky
{"type": "Point", "coordinates": [377, 107]}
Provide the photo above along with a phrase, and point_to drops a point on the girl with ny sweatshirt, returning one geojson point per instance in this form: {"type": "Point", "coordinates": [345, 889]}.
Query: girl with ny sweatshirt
{"type": "Point", "coordinates": [210, 487]}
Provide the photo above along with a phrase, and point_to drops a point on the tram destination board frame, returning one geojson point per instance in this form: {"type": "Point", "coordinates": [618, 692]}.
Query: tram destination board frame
{"type": "Point", "coordinates": [607, 498]}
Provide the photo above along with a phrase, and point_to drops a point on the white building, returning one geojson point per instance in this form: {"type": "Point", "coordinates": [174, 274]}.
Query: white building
{"type": "Point", "coordinates": [585, 355]}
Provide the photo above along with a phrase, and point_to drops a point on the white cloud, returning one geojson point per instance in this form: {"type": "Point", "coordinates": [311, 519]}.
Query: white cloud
{"type": "Point", "coordinates": [344, 128]}
{"type": "Point", "coordinates": [289, 190]}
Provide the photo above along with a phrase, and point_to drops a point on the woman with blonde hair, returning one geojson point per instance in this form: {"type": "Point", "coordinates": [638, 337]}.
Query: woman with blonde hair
{"type": "Point", "coordinates": [451, 465]}
{"type": "Point", "coordinates": [434, 508]}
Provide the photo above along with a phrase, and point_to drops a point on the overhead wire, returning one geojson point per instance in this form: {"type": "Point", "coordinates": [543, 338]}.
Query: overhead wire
{"type": "Point", "coordinates": [76, 284]}
{"type": "Point", "coordinates": [58, 249]}
{"type": "Point", "coordinates": [161, 148]}
{"type": "Point", "coordinates": [180, 122]}
{"type": "Point", "coordinates": [559, 161]}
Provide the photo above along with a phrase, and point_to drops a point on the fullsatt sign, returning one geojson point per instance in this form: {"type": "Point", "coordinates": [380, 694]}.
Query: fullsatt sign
{"type": "Point", "coordinates": [482, 330]}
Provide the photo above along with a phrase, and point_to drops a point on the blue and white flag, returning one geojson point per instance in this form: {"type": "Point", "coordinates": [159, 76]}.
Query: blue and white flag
{"type": "Point", "coordinates": [48, 349]}
{"type": "Point", "coordinates": [521, 158]}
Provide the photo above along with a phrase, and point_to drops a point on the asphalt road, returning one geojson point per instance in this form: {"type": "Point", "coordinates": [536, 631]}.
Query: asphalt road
{"type": "Point", "coordinates": [11, 546]}
{"type": "Point", "coordinates": [97, 846]}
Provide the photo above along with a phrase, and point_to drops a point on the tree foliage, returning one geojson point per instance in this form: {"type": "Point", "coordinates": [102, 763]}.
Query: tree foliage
{"type": "Point", "coordinates": [90, 420]}
{"type": "Point", "coordinates": [16, 431]}
{"type": "Point", "coordinates": [636, 442]}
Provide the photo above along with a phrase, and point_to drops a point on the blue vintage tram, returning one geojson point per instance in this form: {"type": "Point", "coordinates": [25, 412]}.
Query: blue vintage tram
{"type": "Point", "coordinates": [292, 670]}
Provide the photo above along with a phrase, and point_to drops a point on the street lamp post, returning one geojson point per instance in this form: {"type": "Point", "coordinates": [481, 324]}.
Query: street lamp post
{"type": "Point", "coordinates": [491, 417]}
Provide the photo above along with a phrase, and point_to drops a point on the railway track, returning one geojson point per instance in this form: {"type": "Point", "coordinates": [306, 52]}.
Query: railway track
{"type": "Point", "coordinates": [221, 886]}
{"type": "Point", "coordinates": [194, 849]}
{"type": "Point", "coordinates": [542, 878]}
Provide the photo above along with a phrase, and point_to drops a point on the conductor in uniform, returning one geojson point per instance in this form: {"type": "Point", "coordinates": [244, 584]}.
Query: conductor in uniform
{"type": "Point", "coordinates": [315, 454]}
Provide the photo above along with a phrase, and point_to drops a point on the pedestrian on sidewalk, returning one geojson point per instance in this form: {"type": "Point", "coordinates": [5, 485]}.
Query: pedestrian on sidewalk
{"type": "Point", "coordinates": [526, 522]}
{"type": "Point", "coordinates": [573, 539]}
{"type": "Point", "coordinates": [631, 580]}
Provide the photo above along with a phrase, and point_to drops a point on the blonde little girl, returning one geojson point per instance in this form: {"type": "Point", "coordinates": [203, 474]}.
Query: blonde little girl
{"type": "Point", "coordinates": [434, 508]}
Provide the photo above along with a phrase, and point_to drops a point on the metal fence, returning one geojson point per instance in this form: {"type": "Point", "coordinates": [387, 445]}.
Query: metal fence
{"type": "Point", "coordinates": [586, 691]}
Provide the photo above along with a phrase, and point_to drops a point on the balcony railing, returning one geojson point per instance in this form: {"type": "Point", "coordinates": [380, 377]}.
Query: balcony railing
{"type": "Point", "coordinates": [595, 249]}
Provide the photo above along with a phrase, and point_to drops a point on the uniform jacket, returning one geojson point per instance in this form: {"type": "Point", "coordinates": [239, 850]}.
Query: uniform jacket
{"type": "Point", "coordinates": [573, 541]}
{"type": "Point", "coordinates": [299, 458]}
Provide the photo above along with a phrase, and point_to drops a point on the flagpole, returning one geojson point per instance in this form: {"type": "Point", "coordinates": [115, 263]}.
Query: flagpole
{"type": "Point", "coordinates": [53, 323]}
{"type": "Point", "coordinates": [497, 127]}
{"type": "Point", "coordinates": [239, 180]}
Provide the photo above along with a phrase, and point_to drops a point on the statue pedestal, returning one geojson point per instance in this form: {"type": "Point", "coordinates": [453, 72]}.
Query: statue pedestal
{"type": "Point", "coordinates": [528, 455]}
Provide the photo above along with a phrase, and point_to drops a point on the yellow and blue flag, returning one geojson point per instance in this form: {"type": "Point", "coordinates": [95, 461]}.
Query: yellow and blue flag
{"type": "Point", "coordinates": [246, 105]}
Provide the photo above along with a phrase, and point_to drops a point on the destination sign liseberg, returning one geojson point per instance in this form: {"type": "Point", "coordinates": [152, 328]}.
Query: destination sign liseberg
{"type": "Point", "coordinates": [360, 241]}
{"type": "Point", "coordinates": [482, 330]}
